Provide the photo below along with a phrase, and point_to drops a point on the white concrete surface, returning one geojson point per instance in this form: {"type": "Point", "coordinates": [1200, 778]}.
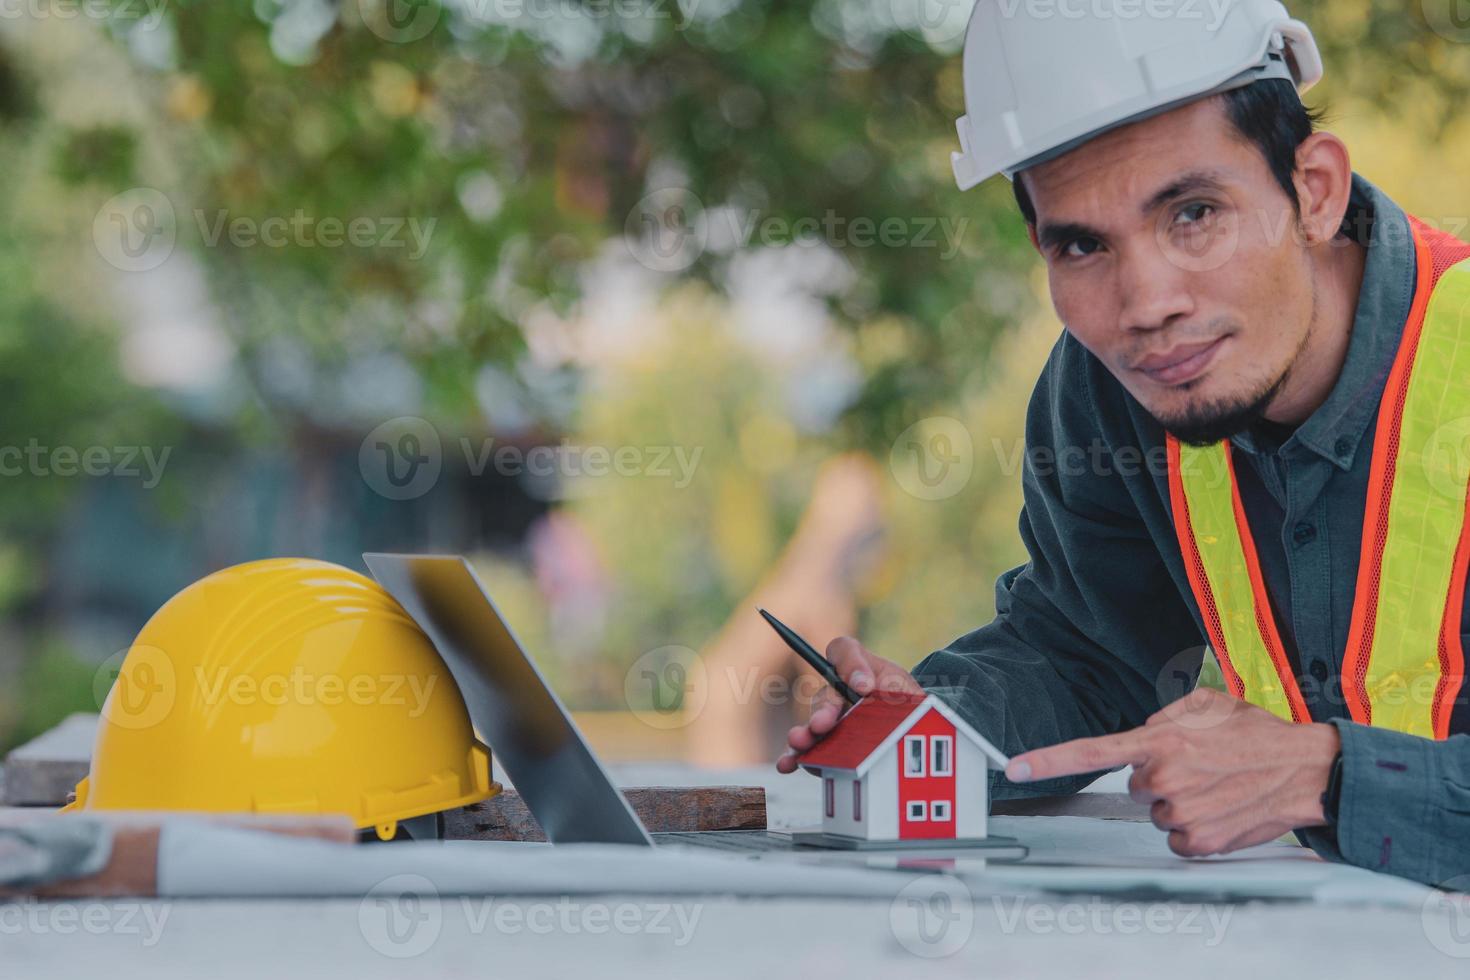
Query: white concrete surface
{"type": "Point", "coordinates": [933, 925]}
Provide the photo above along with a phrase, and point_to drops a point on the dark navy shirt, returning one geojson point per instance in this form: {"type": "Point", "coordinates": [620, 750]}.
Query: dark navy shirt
{"type": "Point", "coordinates": [1099, 628]}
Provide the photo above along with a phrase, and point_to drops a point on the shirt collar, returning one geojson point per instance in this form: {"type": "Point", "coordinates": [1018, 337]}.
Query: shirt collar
{"type": "Point", "coordinates": [1335, 430]}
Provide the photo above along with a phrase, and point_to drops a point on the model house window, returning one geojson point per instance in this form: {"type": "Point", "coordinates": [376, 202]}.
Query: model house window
{"type": "Point", "coordinates": [941, 755]}
{"type": "Point", "coordinates": [913, 755]}
{"type": "Point", "coordinates": [857, 799]}
{"type": "Point", "coordinates": [831, 792]}
{"type": "Point", "coordinates": [916, 810]}
{"type": "Point", "coordinates": [939, 810]}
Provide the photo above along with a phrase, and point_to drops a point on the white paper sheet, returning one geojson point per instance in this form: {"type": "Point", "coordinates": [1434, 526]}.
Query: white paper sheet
{"type": "Point", "coordinates": [1069, 854]}
{"type": "Point", "coordinates": [195, 860]}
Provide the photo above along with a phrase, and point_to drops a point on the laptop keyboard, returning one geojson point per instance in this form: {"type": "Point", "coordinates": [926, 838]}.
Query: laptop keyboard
{"type": "Point", "coordinates": [727, 840]}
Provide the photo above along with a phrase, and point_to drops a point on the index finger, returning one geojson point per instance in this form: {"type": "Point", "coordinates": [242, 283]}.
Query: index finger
{"type": "Point", "coordinates": [1081, 755]}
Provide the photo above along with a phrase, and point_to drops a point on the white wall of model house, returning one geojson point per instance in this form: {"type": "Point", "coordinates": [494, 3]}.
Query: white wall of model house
{"type": "Point", "coordinates": [878, 798]}
{"type": "Point", "coordinates": [877, 791]}
{"type": "Point", "coordinates": [972, 786]}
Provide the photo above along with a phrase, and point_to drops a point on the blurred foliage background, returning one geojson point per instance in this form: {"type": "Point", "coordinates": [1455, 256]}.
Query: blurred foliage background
{"type": "Point", "coordinates": [643, 224]}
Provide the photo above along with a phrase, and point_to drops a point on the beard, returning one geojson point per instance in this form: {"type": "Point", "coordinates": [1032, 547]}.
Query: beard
{"type": "Point", "coordinates": [1205, 425]}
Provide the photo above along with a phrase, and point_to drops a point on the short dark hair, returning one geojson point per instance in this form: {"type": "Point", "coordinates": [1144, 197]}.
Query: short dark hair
{"type": "Point", "coordinates": [1268, 113]}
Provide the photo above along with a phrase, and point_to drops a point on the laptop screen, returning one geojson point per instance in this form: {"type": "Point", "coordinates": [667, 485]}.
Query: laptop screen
{"type": "Point", "coordinates": [530, 734]}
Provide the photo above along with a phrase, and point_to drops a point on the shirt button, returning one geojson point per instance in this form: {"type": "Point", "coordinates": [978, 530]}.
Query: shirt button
{"type": "Point", "coordinates": [1319, 670]}
{"type": "Point", "coordinates": [1303, 533]}
{"type": "Point", "coordinates": [1342, 445]}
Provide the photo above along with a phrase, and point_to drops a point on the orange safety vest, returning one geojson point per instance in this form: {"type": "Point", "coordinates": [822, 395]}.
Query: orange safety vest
{"type": "Point", "coordinates": [1404, 663]}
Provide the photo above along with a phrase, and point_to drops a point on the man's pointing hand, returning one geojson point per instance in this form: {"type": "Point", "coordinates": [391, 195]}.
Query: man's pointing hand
{"type": "Point", "coordinates": [1219, 774]}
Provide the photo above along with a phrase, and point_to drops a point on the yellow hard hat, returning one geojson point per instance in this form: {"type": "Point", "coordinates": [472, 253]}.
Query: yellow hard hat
{"type": "Point", "coordinates": [286, 686]}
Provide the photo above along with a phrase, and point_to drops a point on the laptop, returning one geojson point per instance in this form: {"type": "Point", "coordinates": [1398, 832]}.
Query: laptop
{"type": "Point", "coordinates": [531, 734]}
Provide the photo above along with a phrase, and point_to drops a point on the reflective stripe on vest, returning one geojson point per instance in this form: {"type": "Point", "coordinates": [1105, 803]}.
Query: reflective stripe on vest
{"type": "Point", "coordinates": [1403, 666]}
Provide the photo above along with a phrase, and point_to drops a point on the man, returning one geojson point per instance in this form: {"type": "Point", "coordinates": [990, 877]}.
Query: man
{"type": "Point", "coordinates": [1262, 358]}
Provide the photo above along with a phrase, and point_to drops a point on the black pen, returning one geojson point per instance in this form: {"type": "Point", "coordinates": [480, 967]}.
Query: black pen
{"type": "Point", "coordinates": [819, 663]}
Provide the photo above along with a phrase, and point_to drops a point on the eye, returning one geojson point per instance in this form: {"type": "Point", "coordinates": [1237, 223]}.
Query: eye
{"type": "Point", "coordinates": [1083, 247]}
{"type": "Point", "coordinates": [1194, 213]}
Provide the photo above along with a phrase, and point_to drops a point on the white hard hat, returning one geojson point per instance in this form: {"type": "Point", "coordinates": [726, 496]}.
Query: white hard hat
{"type": "Point", "coordinates": [1042, 76]}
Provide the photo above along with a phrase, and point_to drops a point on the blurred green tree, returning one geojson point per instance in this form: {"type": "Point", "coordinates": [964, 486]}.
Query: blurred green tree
{"type": "Point", "coordinates": [496, 152]}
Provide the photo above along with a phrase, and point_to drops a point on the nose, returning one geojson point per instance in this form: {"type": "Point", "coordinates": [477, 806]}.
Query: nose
{"type": "Point", "coordinates": [1155, 291]}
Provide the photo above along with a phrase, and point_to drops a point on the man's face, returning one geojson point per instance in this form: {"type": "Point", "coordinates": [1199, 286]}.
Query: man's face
{"type": "Point", "coordinates": [1173, 256]}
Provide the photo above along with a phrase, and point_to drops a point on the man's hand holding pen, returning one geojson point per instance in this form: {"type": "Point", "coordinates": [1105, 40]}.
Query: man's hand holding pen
{"type": "Point", "coordinates": [865, 672]}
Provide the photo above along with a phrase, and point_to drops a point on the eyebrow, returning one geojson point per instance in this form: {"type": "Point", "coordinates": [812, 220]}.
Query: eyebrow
{"type": "Point", "coordinates": [1049, 234]}
{"type": "Point", "coordinates": [1191, 183]}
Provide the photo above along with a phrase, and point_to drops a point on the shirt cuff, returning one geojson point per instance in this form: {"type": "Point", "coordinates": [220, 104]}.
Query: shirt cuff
{"type": "Point", "coordinates": [1388, 816]}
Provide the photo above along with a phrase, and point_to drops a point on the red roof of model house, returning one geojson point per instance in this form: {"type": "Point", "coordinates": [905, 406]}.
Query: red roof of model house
{"type": "Point", "coordinates": [874, 723]}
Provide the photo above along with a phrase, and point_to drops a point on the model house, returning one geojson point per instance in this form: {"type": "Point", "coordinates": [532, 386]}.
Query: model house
{"type": "Point", "coordinates": [903, 767]}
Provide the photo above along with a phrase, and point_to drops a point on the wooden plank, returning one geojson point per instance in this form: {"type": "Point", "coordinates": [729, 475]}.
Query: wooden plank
{"type": "Point", "coordinates": [661, 808]}
{"type": "Point", "coordinates": [48, 767]}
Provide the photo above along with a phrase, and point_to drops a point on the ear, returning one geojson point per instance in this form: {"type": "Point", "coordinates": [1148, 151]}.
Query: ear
{"type": "Point", "coordinates": [1031, 234]}
{"type": "Point", "coordinates": [1324, 181]}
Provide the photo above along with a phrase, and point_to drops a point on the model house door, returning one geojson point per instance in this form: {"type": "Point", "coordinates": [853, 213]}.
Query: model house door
{"type": "Point", "coordinates": [926, 778]}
